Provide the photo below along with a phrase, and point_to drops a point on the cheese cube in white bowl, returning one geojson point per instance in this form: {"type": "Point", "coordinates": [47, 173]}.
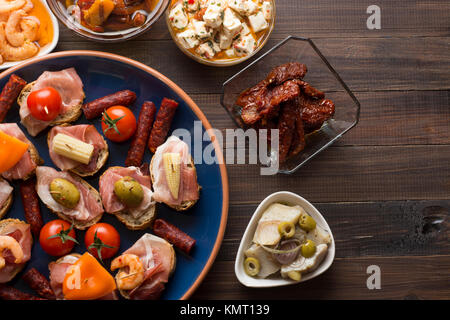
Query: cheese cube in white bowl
{"type": "Point", "coordinates": [206, 50]}
{"type": "Point", "coordinates": [201, 30]}
{"type": "Point", "coordinates": [188, 39]}
{"type": "Point", "coordinates": [231, 23]}
{"type": "Point", "coordinates": [244, 45]}
{"type": "Point", "coordinates": [267, 10]}
{"type": "Point", "coordinates": [258, 22]}
{"type": "Point", "coordinates": [213, 16]}
{"type": "Point", "coordinates": [178, 17]}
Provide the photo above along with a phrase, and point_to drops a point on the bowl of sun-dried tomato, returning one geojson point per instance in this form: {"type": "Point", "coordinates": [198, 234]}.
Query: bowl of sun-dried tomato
{"type": "Point", "coordinates": [294, 99]}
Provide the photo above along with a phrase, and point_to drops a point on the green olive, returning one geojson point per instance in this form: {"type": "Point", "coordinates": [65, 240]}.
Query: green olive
{"type": "Point", "coordinates": [308, 249]}
{"type": "Point", "coordinates": [306, 222]}
{"type": "Point", "coordinates": [65, 193]}
{"type": "Point", "coordinates": [252, 266]}
{"type": "Point", "coordinates": [295, 275]}
{"type": "Point", "coordinates": [286, 229]}
{"type": "Point", "coordinates": [129, 192]}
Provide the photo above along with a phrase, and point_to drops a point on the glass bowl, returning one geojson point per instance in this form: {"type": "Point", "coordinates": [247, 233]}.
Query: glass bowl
{"type": "Point", "coordinates": [59, 10]}
{"type": "Point", "coordinates": [320, 75]}
{"type": "Point", "coordinates": [224, 62]}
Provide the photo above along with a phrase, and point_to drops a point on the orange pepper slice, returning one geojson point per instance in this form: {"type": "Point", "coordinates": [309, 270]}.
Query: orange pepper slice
{"type": "Point", "coordinates": [86, 279]}
{"type": "Point", "coordinates": [11, 151]}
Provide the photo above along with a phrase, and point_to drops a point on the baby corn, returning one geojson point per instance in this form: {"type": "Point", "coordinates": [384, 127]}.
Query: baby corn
{"type": "Point", "coordinates": [72, 148]}
{"type": "Point", "coordinates": [172, 166]}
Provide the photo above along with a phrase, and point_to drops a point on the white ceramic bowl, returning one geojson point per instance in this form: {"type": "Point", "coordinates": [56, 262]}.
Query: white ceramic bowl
{"type": "Point", "coordinates": [290, 199]}
{"type": "Point", "coordinates": [45, 49]}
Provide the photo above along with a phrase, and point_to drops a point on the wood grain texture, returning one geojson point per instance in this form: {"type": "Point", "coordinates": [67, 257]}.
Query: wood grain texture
{"type": "Point", "coordinates": [364, 64]}
{"type": "Point", "coordinates": [401, 278]}
{"type": "Point", "coordinates": [391, 228]}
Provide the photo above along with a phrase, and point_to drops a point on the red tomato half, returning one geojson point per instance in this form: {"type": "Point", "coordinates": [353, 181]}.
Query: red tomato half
{"type": "Point", "coordinates": [57, 238]}
{"type": "Point", "coordinates": [118, 123]}
{"type": "Point", "coordinates": [102, 237]}
{"type": "Point", "coordinates": [44, 104]}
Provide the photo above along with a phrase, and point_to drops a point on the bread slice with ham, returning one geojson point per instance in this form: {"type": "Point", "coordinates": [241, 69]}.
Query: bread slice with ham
{"type": "Point", "coordinates": [87, 134]}
{"type": "Point", "coordinates": [188, 187]}
{"type": "Point", "coordinates": [26, 166]}
{"type": "Point", "coordinates": [137, 218]}
{"type": "Point", "coordinates": [89, 209]}
{"type": "Point", "coordinates": [159, 261]}
{"type": "Point", "coordinates": [6, 197]}
{"type": "Point", "coordinates": [69, 86]}
{"type": "Point", "coordinates": [21, 233]}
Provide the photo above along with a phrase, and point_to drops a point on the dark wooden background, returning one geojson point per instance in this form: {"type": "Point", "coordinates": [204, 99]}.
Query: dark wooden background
{"type": "Point", "coordinates": [385, 186]}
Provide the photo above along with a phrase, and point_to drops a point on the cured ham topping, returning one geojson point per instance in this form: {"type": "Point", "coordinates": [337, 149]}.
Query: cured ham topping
{"type": "Point", "coordinates": [157, 256]}
{"type": "Point", "coordinates": [26, 165]}
{"type": "Point", "coordinates": [70, 88]}
{"type": "Point", "coordinates": [5, 191]}
{"type": "Point", "coordinates": [188, 189]}
{"type": "Point", "coordinates": [85, 133]}
{"type": "Point", "coordinates": [87, 208]}
{"type": "Point", "coordinates": [110, 200]}
{"type": "Point", "coordinates": [22, 234]}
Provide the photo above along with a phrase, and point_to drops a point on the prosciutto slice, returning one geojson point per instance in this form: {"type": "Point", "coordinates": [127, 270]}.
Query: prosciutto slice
{"type": "Point", "coordinates": [67, 83]}
{"type": "Point", "coordinates": [188, 185]}
{"type": "Point", "coordinates": [58, 272]}
{"type": "Point", "coordinates": [5, 191]}
{"type": "Point", "coordinates": [157, 256]}
{"type": "Point", "coordinates": [112, 203]}
{"type": "Point", "coordinates": [83, 132]}
{"type": "Point", "coordinates": [87, 208]}
{"type": "Point", "coordinates": [21, 232]}
{"type": "Point", "coordinates": [26, 165]}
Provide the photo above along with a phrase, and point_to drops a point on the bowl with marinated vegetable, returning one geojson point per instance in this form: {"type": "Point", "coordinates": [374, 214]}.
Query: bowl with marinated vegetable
{"type": "Point", "coordinates": [287, 241]}
{"type": "Point", "coordinates": [108, 20]}
{"type": "Point", "coordinates": [220, 32]}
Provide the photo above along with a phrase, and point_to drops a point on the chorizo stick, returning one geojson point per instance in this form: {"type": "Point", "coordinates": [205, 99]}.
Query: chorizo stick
{"type": "Point", "coordinates": [39, 283]}
{"type": "Point", "coordinates": [11, 293]}
{"type": "Point", "coordinates": [144, 125]}
{"type": "Point", "coordinates": [162, 123]}
{"type": "Point", "coordinates": [95, 108]}
{"type": "Point", "coordinates": [174, 235]}
{"type": "Point", "coordinates": [30, 202]}
{"type": "Point", "coordinates": [10, 93]}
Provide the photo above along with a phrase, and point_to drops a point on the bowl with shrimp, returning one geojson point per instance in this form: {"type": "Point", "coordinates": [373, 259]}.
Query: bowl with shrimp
{"type": "Point", "coordinates": [27, 29]}
{"type": "Point", "coordinates": [108, 20]}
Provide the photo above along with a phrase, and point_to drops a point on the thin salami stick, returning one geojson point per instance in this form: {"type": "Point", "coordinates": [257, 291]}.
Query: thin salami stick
{"type": "Point", "coordinates": [162, 124]}
{"type": "Point", "coordinates": [30, 202]}
{"type": "Point", "coordinates": [11, 293]}
{"type": "Point", "coordinates": [39, 283]}
{"type": "Point", "coordinates": [137, 148]}
{"type": "Point", "coordinates": [10, 93]}
{"type": "Point", "coordinates": [95, 108]}
{"type": "Point", "coordinates": [174, 235]}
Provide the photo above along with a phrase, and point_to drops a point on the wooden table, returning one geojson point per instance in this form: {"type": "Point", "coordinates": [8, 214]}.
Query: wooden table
{"type": "Point", "coordinates": [385, 186]}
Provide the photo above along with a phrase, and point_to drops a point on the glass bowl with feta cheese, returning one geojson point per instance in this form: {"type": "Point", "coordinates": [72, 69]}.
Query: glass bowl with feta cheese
{"type": "Point", "coordinates": [220, 32]}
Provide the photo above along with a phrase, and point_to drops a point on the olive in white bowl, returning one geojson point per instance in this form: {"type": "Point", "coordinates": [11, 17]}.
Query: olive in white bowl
{"type": "Point", "coordinates": [287, 241]}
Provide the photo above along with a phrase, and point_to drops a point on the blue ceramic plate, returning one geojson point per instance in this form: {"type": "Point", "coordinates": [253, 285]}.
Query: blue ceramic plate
{"type": "Point", "coordinates": [102, 74]}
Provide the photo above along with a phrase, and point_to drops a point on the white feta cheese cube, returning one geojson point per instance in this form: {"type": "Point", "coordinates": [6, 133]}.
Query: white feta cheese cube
{"type": "Point", "coordinates": [178, 17]}
{"type": "Point", "coordinates": [225, 40]}
{"type": "Point", "coordinates": [188, 38]}
{"type": "Point", "coordinates": [201, 30]}
{"type": "Point", "coordinates": [248, 8]}
{"type": "Point", "coordinates": [206, 50]}
{"type": "Point", "coordinates": [267, 10]}
{"type": "Point", "coordinates": [213, 16]}
{"type": "Point", "coordinates": [244, 46]}
{"type": "Point", "coordinates": [191, 5]}
{"type": "Point", "coordinates": [258, 22]}
{"type": "Point", "coordinates": [245, 29]}
{"type": "Point", "coordinates": [231, 23]}
{"type": "Point", "coordinates": [230, 52]}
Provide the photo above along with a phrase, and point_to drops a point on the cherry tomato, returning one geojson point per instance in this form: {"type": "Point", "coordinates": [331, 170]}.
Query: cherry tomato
{"type": "Point", "coordinates": [102, 240]}
{"type": "Point", "coordinates": [44, 104]}
{"type": "Point", "coordinates": [57, 238]}
{"type": "Point", "coordinates": [118, 123]}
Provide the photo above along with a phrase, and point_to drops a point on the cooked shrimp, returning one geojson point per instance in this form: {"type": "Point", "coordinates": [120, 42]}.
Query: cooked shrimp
{"type": "Point", "coordinates": [7, 6]}
{"type": "Point", "coordinates": [7, 242]}
{"type": "Point", "coordinates": [10, 53]}
{"type": "Point", "coordinates": [28, 6]}
{"type": "Point", "coordinates": [131, 274]}
{"type": "Point", "coordinates": [18, 29]}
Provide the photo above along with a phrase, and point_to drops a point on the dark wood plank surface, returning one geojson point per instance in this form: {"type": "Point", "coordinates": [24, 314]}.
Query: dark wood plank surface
{"type": "Point", "coordinates": [385, 186]}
